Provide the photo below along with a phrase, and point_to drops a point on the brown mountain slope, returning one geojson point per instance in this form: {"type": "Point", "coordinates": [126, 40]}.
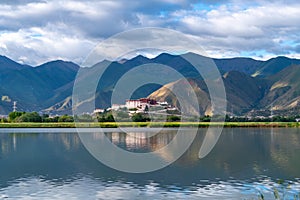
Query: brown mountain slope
{"type": "Point", "coordinates": [284, 90]}
{"type": "Point", "coordinates": [165, 94]}
{"type": "Point", "coordinates": [243, 93]}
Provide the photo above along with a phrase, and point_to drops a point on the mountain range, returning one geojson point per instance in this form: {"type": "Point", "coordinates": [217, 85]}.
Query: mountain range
{"type": "Point", "coordinates": [252, 86]}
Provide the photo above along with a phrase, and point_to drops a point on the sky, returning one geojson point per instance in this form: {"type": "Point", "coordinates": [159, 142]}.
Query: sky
{"type": "Point", "coordinates": [37, 31]}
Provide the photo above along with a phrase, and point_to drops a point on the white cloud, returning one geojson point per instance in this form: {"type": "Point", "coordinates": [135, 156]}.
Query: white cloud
{"type": "Point", "coordinates": [35, 31]}
{"type": "Point", "coordinates": [253, 29]}
{"type": "Point", "coordinates": [35, 45]}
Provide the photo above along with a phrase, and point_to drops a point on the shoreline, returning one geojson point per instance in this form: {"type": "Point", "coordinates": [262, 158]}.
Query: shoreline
{"type": "Point", "coordinates": [153, 125]}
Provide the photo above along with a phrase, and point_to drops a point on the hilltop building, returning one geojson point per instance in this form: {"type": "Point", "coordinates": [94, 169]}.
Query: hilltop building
{"type": "Point", "coordinates": [142, 105]}
{"type": "Point", "coordinates": [96, 111]}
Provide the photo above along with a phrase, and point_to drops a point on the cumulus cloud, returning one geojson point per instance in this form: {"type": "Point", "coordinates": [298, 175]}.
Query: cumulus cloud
{"type": "Point", "coordinates": [264, 27]}
{"type": "Point", "coordinates": [35, 31]}
{"type": "Point", "coordinates": [37, 45]}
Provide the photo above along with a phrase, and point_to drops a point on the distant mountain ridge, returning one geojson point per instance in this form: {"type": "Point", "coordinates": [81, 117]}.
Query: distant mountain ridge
{"type": "Point", "coordinates": [250, 84]}
{"type": "Point", "coordinates": [35, 88]}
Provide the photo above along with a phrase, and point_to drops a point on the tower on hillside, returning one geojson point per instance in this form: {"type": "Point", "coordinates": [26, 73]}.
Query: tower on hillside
{"type": "Point", "coordinates": [15, 106]}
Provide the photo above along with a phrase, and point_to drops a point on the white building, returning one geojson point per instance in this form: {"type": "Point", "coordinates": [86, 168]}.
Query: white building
{"type": "Point", "coordinates": [164, 103]}
{"type": "Point", "coordinates": [117, 106]}
{"type": "Point", "coordinates": [131, 104]}
{"type": "Point", "coordinates": [141, 105]}
{"type": "Point", "coordinates": [98, 111]}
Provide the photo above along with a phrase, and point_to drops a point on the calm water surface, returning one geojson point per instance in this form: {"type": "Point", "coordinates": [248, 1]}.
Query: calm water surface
{"type": "Point", "coordinates": [245, 163]}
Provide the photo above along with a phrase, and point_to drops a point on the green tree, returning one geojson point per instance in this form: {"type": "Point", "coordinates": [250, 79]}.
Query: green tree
{"type": "Point", "coordinates": [173, 118]}
{"type": "Point", "coordinates": [138, 117]}
{"type": "Point", "coordinates": [65, 118]}
{"type": "Point", "coordinates": [206, 118]}
{"type": "Point", "coordinates": [13, 115]}
{"type": "Point", "coordinates": [54, 119]}
{"type": "Point", "coordinates": [122, 115]}
{"type": "Point", "coordinates": [29, 117]}
{"type": "Point", "coordinates": [4, 120]}
{"type": "Point", "coordinates": [45, 118]}
{"type": "Point", "coordinates": [84, 118]}
{"type": "Point", "coordinates": [110, 118]}
{"type": "Point", "coordinates": [107, 116]}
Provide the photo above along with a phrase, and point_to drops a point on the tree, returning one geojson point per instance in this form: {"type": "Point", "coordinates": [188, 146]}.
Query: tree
{"type": "Point", "coordinates": [83, 118]}
{"type": "Point", "coordinates": [45, 118]}
{"type": "Point", "coordinates": [4, 120]}
{"type": "Point", "coordinates": [110, 118]}
{"type": "Point", "coordinates": [65, 118]}
{"type": "Point", "coordinates": [173, 118]}
{"type": "Point", "coordinates": [107, 116]}
{"type": "Point", "coordinates": [122, 115]}
{"type": "Point", "coordinates": [13, 115]}
{"type": "Point", "coordinates": [138, 117]}
{"type": "Point", "coordinates": [29, 117]}
{"type": "Point", "coordinates": [206, 118]}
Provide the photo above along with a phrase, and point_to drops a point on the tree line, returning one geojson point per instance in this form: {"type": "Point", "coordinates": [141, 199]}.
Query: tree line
{"type": "Point", "coordinates": [108, 116]}
{"type": "Point", "coordinates": [18, 117]}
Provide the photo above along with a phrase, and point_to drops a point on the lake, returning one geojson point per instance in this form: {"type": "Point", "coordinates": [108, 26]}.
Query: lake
{"type": "Point", "coordinates": [246, 163]}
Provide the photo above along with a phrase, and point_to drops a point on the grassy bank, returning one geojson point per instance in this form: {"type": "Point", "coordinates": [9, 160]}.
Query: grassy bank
{"type": "Point", "coordinates": [147, 124]}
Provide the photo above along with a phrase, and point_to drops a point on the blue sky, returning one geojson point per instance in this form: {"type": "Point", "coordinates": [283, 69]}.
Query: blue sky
{"type": "Point", "coordinates": [36, 31]}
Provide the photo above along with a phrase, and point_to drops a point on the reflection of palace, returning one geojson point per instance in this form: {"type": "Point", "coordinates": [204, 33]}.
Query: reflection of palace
{"type": "Point", "coordinates": [145, 141]}
{"type": "Point", "coordinates": [140, 140]}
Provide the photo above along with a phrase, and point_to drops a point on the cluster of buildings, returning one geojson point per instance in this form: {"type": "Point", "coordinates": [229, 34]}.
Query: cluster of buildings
{"type": "Point", "coordinates": [142, 105]}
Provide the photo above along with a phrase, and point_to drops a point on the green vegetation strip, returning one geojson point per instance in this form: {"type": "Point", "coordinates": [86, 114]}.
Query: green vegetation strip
{"type": "Point", "coordinates": [147, 124]}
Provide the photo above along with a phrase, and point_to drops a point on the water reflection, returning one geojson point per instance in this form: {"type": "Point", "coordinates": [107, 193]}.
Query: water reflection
{"type": "Point", "coordinates": [122, 159]}
{"type": "Point", "coordinates": [244, 163]}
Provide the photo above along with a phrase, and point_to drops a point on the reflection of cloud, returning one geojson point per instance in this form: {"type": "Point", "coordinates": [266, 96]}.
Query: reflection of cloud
{"type": "Point", "coordinates": [95, 188]}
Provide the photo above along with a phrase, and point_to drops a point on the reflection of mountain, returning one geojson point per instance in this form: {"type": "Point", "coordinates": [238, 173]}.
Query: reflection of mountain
{"type": "Point", "coordinates": [242, 153]}
{"type": "Point", "coordinates": [146, 141]}
{"type": "Point", "coordinates": [239, 152]}
{"type": "Point", "coordinates": [38, 154]}
{"type": "Point", "coordinates": [285, 150]}
{"type": "Point", "coordinates": [142, 141]}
